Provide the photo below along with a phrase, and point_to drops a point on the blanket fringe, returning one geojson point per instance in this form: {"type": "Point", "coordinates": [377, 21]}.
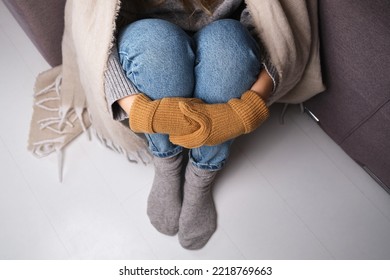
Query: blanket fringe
{"type": "Point", "coordinates": [284, 111]}
{"type": "Point", "coordinates": [49, 120]}
{"type": "Point", "coordinates": [135, 157]}
{"type": "Point", "coordinates": [61, 125]}
{"type": "Point", "coordinates": [60, 100]}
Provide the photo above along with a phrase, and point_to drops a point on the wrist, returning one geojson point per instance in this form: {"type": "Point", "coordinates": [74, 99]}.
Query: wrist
{"type": "Point", "coordinates": [263, 85]}
{"type": "Point", "coordinates": [127, 102]}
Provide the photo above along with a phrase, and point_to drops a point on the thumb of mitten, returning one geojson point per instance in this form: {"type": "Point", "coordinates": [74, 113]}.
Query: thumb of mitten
{"type": "Point", "coordinates": [198, 137]}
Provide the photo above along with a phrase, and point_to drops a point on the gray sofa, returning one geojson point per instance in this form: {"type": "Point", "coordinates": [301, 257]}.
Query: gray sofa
{"type": "Point", "coordinates": [355, 108]}
{"type": "Point", "coordinates": [43, 22]}
{"type": "Point", "coordinates": [355, 40]}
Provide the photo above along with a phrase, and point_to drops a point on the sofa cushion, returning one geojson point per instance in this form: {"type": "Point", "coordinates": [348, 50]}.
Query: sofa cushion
{"type": "Point", "coordinates": [370, 144]}
{"type": "Point", "coordinates": [355, 59]}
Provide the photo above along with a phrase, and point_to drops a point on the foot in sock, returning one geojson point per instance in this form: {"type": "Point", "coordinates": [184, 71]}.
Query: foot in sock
{"type": "Point", "coordinates": [198, 217]}
{"type": "Point", "coordinates": [164, 201]}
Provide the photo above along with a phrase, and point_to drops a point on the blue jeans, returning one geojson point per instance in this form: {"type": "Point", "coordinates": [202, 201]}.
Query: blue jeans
{"type": "Point", "coordinates": [219, 62]}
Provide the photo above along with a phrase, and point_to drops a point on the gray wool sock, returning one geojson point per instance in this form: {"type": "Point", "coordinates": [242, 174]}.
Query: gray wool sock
{"type": "Point", "coordinates": [198, 218]}
{"type": "Point", "coordinates": [164, 201]}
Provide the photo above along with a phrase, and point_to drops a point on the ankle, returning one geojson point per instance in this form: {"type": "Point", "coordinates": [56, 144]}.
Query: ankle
{"type": "Point", "coordinates": [168, 165]}
{"type": "Point", "coordinates": [203, 177]}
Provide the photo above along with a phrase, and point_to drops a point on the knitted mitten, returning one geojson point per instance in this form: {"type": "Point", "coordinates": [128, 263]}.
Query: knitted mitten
{"type": "Point", "coordinates": [161, 116]}
{"type": "Point", "coordinates": [223, 121]}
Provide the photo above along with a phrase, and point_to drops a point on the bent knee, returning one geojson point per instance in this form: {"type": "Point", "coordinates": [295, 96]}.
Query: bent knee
{"type": "Point", "coordinates": [151, 33]}
{"type": "Point", "coordinates": [228, 39]}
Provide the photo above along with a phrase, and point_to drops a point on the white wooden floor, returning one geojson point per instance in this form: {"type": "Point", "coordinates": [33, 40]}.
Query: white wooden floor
{"type": "Point", "coordinates": [288, 192]}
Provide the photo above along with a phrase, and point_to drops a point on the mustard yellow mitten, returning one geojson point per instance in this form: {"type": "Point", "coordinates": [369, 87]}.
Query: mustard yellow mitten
{"type": "Point", "coordinates": [161, 116]}
{"type": "Point", "coordinates": [223, 121]}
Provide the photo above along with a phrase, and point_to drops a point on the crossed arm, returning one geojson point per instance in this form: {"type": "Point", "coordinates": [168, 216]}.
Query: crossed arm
{"type": "Point", "coordinates": [192, 123]}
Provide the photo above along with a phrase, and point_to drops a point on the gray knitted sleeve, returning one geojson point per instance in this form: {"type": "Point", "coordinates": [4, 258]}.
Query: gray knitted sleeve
{"type": "Point", "coordinates": [117, 86]}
